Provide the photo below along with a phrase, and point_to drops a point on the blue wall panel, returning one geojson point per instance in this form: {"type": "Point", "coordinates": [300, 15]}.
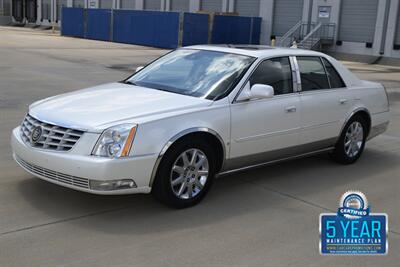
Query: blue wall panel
{"type": "Point", "coordinates": [231, 30]}
{"type": "Point", "coordinates": [195, 29]}
{"type": "Point", "coordinates": [151, 28]}
{"type": "Point", "coordinates": [236, 30]}
{"type": "Point", "coordinates": [255, 39]}
{"type": "Point", "coordinates": [98, 24]}
{"type": "Point", "coordinates": [72, 23]}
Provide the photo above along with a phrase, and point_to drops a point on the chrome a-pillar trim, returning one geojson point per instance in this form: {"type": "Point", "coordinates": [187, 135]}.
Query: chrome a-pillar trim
{"type": "Point", "coordinates": [179, 135]}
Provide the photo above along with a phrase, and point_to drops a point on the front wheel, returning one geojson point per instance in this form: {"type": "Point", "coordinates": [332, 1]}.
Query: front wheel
{"type": "Point", "coordinates": [185, 174]}
{"type": "Point", "coordinates": [352, 141]}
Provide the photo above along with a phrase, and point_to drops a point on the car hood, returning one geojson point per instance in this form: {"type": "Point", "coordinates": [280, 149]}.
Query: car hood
{"type": "Point", "coordinates": [96, 107]}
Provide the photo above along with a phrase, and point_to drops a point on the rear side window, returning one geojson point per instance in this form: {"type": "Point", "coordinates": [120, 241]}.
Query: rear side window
{"type": "Point", "coordinates": [312, 73]}
{"type": "Point", "coordinates": [275, 72]}
{"type": "Point", "coordinates": [334, 78]}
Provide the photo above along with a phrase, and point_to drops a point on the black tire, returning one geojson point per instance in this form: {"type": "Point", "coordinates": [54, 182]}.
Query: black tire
{"type": "Point", "coordinates": [339, 154]}
{"type": "Point", "coordinates": [162, 189]}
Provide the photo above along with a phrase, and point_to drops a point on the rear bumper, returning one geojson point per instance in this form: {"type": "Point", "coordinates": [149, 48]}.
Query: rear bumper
{"type": "Point", "coordinates": [77, 171]}
{"type": "Point", "coordinates": [377, 130]}
{"type": "Point", "coordinates": [379, 124]}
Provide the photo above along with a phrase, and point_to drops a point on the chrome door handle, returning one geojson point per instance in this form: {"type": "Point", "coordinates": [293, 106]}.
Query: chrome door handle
{"type": "Point", "coordinates": [290, 109]}
{"type": "Point", "coordinates": [343, 101]}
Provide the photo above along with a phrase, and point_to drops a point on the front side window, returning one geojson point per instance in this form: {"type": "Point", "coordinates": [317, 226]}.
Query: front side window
{"type": "Point", "coordinates": [275, 72]}
{"type": "Point", "coordinates": [198, 73]}
{"type": "Point", "coordinates": [312, 73]}
{"type": "Point", "coordinates": [334, 78]}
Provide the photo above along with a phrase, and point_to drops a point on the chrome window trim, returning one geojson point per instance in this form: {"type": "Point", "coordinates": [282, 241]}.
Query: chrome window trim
{"type": "Point", "coordinates": [326, 72]}
{"type": "Point", "coordinates": [297, 74]}
{"type": "Point", "coordinates": [321, 91]}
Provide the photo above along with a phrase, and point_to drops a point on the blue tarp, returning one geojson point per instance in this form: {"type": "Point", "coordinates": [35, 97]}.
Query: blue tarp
{"type": "Point", "coordinates": [236, 30]}
{"type": "Point", "coordinates": [73, 22]}
{"type": "Point", "coordinates": [152, 28]}
{"type": "Point", "coordinates": [195, 29]}
{"type": "Point", "coordinates": [98, 24]}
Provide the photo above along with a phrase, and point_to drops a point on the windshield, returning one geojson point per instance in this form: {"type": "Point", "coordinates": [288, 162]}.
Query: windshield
{"type": "Point", "coordinates": [199, 73]}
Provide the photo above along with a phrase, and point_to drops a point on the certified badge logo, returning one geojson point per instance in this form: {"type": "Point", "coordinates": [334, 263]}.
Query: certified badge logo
{"type": "Point", "coordinates": [36, 134]}
{"type": "Point", "coordinates": [353, 229]}
{"type": "Point", "coordinates": [353, 205]}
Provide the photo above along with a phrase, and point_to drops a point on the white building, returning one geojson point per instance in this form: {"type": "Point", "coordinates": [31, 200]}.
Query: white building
{"type": "Point", "coordinates": [366, 29]}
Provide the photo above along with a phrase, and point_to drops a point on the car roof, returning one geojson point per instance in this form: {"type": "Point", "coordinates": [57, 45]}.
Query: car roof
{"type": "Point", "coordinates": [257, 50]}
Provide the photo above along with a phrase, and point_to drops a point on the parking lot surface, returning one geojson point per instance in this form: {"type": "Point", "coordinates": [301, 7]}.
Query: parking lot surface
{"type": "Point", "coordinates": [263, 217]}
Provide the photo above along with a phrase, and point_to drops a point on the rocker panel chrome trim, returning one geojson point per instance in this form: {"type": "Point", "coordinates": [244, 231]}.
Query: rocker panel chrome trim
{"type": "Point", "coordinates": [277, 155]}
{"type": "Point", "coordinates": [320, 151]}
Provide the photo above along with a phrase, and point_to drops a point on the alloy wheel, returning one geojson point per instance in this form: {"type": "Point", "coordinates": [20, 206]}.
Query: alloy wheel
{"type": "Point", "coordinates": [189, 173]}
{"type": "Point", "coordinates": [354, 139]}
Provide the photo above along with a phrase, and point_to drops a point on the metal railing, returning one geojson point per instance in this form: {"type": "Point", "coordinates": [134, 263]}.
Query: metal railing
{"type": "Point", "coordinates": [322, 33]}
{"type": "Point", "coordinates": [296, 33]}
{"type": "Point", "coordinates": [286, 39]}
{"type": "Point", "coordinates": [304, 33]}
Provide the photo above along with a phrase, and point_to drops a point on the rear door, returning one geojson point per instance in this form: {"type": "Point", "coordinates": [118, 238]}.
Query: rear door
{"type": "Point", "coordinates": [325, 101]}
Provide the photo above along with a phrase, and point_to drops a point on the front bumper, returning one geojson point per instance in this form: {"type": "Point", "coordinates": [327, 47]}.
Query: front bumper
{"type": "Point", "coordinates": [74, 170]}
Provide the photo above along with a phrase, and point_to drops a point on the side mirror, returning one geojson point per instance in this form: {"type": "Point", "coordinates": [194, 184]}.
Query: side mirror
{"type": "Point", "coordinates": [261, 91]}
{"type": "Point", "coordinates": [139, 68]}
{"type": "Point", "coordinates": [257, 91]}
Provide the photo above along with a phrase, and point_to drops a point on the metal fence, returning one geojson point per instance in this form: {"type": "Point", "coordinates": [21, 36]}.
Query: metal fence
{"type": "Point", "coordinates": [158, 28]}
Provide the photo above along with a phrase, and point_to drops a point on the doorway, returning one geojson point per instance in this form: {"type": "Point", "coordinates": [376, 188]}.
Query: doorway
{"type": "Point", "coordinates": [24, 11]}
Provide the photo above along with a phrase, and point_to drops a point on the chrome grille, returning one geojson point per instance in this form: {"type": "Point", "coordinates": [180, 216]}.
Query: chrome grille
{"type": "Point", "coordinates": [53, 175]}
{"type": "Point", "coordinates": [53, 137]}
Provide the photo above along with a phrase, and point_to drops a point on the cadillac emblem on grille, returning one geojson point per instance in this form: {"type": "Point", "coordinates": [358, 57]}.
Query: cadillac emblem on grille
{"type": "Point", "coordinates": [36, 134]}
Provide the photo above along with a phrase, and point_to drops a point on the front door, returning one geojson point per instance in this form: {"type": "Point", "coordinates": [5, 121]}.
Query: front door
{"type": "Point", "coordinates": [266, 129]}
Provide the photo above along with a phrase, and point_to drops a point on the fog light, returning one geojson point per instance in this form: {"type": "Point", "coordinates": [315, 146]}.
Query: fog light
{"type": "Point", "coordinates": [112, 184]}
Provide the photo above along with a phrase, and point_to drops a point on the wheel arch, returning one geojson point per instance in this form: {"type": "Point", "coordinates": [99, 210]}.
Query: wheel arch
{"type": "Point", "coordinates": [205, 132]}
{"type": "Point", "coordinates": [358, 111]}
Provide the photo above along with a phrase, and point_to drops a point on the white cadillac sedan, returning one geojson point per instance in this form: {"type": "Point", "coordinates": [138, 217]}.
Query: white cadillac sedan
{"type": "Point", "coordinates": [196, 113]}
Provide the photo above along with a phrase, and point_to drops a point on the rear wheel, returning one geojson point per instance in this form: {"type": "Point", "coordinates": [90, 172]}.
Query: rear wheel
{"type": "Point", "coordinates": [185, 174]}
{"type": "Point", "coordinates": [352, 141]}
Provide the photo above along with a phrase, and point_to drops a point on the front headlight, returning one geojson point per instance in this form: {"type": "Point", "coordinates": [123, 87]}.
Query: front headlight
{"type": "Point", "coordinates": [115, 142]}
